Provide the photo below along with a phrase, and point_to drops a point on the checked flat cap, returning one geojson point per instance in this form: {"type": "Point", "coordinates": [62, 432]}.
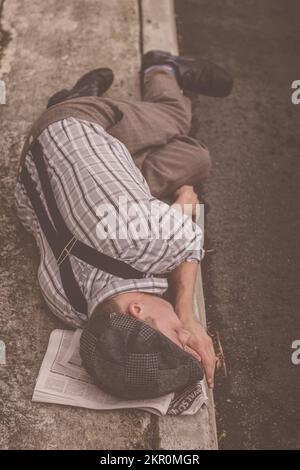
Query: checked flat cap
{"type": "Point", "coordinates": [129, 359]}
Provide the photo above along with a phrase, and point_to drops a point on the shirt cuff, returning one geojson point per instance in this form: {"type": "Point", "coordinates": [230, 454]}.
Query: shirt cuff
{"type": "Point", "coordinates": [196, 256]}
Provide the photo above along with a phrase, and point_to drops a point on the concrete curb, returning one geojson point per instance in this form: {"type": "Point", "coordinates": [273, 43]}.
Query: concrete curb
{"type": "Point", "coordinates": [46, 52]}
{"type": "Point", "coordinates": [158, 25]}
{"type": "Point", "coordinates": [158, 29]}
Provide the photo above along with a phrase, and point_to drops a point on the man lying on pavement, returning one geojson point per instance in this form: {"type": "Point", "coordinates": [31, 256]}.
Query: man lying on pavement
{"type": "Point", "coordinates": [88, 163]}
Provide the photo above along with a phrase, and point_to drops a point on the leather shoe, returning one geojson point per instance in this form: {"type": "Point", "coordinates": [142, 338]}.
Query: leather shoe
{"type": "Point", "coordinates": [93, 83]}
{"type": "Point", "coordinates": [193, 74]}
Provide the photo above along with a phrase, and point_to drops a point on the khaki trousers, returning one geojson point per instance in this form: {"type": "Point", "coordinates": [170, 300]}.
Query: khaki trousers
{"type": "Point", "coordinates": [155, 131]}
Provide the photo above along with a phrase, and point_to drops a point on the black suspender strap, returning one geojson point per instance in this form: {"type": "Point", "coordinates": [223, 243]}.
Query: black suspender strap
{"type": "Point", "coordinates": [61, 240]}
{"type": "Point", "coordinates": [69, 282]}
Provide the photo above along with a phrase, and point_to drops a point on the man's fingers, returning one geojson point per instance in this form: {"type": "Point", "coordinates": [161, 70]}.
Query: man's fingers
{"type": "Point", "coordinates": [205, 350]}
{"type": "Point", "coordinates": [193, 353]}
{"type": "Point", "coordinates": [209, 364]}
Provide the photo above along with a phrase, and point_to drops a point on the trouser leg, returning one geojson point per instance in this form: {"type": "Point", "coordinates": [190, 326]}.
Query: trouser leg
{"type": "Point", "coordinates": [161, 88]}
{"type": "Point", "coordinates": [181, 161]}
{"type": "Point", "coordinates": [154, 122]}
{"type": "Point", "coordinates": [156, 133]}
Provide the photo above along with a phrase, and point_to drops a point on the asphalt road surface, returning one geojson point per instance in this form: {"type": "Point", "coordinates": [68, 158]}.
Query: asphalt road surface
{"type": "Point", "coordinates": [252, 267]}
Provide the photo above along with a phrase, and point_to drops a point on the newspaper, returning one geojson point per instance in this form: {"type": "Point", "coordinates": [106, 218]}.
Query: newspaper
{"type": "Point", "coordinates": [63, 380]}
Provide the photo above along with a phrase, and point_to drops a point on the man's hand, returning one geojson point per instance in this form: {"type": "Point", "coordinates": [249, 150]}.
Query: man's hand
{"type": "Point", "coordinates": [201, 343]}
{"type": "Point", "coordinates": [182, 286]}
{"type": "Point", "coordinates": [187, 199]}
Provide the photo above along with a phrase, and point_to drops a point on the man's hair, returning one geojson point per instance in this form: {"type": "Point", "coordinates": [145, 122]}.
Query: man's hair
{"type": "Point", "coordinates": [107, 306]}
{"type": "Point", "coordinates": [110, 306]}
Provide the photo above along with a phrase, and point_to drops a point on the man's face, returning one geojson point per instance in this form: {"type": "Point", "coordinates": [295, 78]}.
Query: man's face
{"type": "Point", "coordinates": [160, 314]}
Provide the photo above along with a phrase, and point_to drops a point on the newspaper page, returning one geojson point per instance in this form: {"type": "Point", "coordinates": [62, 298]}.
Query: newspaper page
{"type": "Point", "coordinates": [63, 380]}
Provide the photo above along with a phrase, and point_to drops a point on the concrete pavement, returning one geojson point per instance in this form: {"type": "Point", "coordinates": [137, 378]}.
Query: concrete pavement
{"type": "Point", "coordinates": [46, 46]}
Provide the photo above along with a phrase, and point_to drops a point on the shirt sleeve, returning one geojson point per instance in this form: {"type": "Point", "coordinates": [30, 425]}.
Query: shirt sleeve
{"type": "Point", "coordinates": [170, 238]}
{"type": "Point", "coordinates": [184, 237]}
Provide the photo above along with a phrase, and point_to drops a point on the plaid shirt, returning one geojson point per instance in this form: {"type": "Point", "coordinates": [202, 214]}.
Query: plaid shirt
{"type": "Point", "coordinates": [87, 168]}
